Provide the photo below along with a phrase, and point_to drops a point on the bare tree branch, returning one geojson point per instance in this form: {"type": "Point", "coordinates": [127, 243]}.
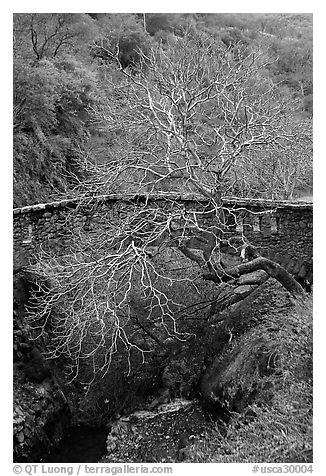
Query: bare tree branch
{"type": "Point", "coordinates": [179, 122]}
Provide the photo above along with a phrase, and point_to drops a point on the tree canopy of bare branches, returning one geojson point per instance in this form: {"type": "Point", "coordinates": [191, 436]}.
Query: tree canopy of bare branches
{"type": "Point", "coordinates": [179, 121]}
{"type": "Point", "coordinates": [187, 113]}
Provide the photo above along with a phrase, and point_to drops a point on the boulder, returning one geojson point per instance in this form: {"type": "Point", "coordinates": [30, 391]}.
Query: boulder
{"type": "Point", "coordinates": [163, 434]}
{"type": "Point", "coordinates": [234, 379]}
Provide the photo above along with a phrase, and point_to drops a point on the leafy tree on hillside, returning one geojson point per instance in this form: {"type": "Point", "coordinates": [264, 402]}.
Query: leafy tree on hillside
{"type": "Point", "coordinates": [39, 36]}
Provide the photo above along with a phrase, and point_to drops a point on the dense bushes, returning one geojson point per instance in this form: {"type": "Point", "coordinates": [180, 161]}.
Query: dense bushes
{"type": "Point", "coordinates": [50, 126]}
{"type": "Point", "coordinates": [54, 87]}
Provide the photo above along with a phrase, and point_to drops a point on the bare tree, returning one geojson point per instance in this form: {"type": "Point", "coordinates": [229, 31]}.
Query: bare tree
{"type": "Point", "coordinates": [278, 174]}
{"type": "Point", "coordinates": [179, 123]}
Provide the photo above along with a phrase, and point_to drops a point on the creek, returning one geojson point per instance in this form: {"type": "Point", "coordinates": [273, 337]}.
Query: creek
{"type": "Point", "coordinates": [81, 444]}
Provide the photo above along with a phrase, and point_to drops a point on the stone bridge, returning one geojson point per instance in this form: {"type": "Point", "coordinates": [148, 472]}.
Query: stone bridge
{"type": "Point", "coordinates": [281, 230]}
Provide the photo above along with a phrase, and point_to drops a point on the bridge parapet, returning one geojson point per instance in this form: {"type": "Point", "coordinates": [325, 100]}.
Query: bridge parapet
{"type": "Point", "coordinates": [282, 230]}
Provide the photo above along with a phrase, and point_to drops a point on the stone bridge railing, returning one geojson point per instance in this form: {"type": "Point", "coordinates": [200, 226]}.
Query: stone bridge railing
{"type": "Point", "coordinates": [281, 230]}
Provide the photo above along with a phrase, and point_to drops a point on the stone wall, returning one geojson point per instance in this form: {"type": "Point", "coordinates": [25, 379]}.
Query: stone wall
{"type": "Point", "coordinates": [284, 235]}
{"type": "Point", "coordinates": [281, 230]}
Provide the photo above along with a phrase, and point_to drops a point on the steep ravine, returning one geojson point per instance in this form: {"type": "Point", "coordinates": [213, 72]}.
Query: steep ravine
{"type": "Point", "coordinates": [166, 420]}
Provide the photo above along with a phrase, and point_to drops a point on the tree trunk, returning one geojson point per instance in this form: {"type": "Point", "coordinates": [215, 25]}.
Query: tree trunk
{"type": "Point", "coordinates": [274, 270]}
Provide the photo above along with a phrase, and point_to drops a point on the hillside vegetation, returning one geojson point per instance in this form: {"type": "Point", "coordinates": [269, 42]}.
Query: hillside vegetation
{"type": "Point", "coordinates": [61, 77]}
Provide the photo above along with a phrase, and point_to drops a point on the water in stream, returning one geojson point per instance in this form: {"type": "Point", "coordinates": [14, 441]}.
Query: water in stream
{"type": "Point", "coordinates": [82, 444]}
